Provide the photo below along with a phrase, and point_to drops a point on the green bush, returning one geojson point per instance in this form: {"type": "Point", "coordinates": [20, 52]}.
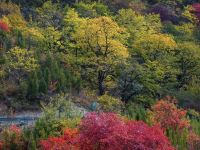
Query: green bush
{"type": "Point", "coordinates": [135, 112]}
{"type": "Point", "coordinates": [178, 138]}
{"type": "Point", "coordinates": [110, 104]}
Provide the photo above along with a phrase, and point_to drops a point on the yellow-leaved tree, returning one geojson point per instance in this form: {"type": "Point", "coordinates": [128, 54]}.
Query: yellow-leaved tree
{"type": "Point", "coordinates": [20, 61]}
{"type": "Point", "coordinates": [101, 44]}
{"type": "Point", "coordinates": [154, 53]}
{"type": "Point", "coordinates": [154, 46]}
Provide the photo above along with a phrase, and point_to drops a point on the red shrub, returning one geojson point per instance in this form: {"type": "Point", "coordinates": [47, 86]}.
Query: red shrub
{"type": "Point", "coordinates": [97, 129]}
{"type": "Point", "coordinates": [54, 143]}
{"type": "Point", "coordinates": [107, 131]}
{"type": "Point", "coordinates": [12, 137]}
{"type": "Point", "coordinates": [15, 129]}
{"type": "Point", "coordinates": [70, 135]}
{"type": "Point", "coordinates": [196, 10]}
{"type": "Point", "coordinates": [167, 115]}
{"type": "Point", "coordinates": [142, 137]}
{"type": "Point", "coordinates": [65, 142]}
{"type": "Point", "coordinates": [4, 26]}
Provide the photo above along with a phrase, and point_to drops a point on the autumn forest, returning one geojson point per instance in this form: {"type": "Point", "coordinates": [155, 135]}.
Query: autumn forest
{"type": "Point", "coordinates": [99, 75]}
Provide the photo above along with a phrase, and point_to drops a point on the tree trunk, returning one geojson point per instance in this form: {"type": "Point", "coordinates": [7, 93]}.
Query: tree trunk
{"type": "Point", "coordinates": [29, 42]}
{"type": "Point", "coordinates": [101, 77]}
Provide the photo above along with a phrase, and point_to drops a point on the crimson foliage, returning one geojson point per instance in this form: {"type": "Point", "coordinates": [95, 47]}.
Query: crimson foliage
{"type": "Point", "coordinates": [196, 9]}
{"type": "Point", "coordinates": [53, 143]}
{"type": "Point", "coordinates": [4, 26]}
{"type": "Point", "coordinates": [107, 131]}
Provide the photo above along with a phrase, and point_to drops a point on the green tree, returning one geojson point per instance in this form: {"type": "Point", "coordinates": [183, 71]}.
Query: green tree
{"type": "Point", "coordinates": [20, 40]}
{"type": "Point", "coordinates": [154, 72]}
{"type": "Point", "coordinates": [43, 87]}
{"type": "Point", "coordinates": [49, 15]}
{"type": "Point", "coordinates": [154, 47]}
{"type": "Point", "coordinates": [187, 62]}
{"type": "Point", "coordinates": [71, 24]}
{"type": "Point", "coordinates": [33, 88]}
{"type": "Point", "coordinates": [47, 75]}
{"type": "Point", "coordinates": [54, 70]}
{"type": "Point", "coordinates": [91, 9]}
{"type": "Point", "coordinates": [52, 39]}
{"type": "Point", "coordinates": [62, 80]}
{"type": "Point", "coordinates": [20, 62]}
{"type": "Point", "coordinates": [138, 25]}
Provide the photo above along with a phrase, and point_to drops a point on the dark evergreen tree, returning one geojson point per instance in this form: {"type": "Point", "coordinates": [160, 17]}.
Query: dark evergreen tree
{"type": "Point", "coordinates": [54, 70]}
{"type": "Point", "coordinates": [62, 80]}
{"type": "Point", "coordinates": [20, 40]}
{"type": "Point", "coordinates": [43, 88]}
{"type": "Point", "coordinates": [33, 85]}
{"type": "Point", "coordinates": [47, 75]}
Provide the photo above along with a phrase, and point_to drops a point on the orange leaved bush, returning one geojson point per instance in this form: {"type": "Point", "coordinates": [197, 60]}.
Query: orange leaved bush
{"type": "Point", "coordinates": [167, 115]}
{"type": "Point", "coordinates": [65, 142]}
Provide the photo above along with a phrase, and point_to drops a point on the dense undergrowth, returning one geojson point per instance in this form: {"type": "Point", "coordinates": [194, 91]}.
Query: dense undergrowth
{"type": "Point", "coordinates": [162, 127]}
{"type": "Point", "coordinates": [118, 60]}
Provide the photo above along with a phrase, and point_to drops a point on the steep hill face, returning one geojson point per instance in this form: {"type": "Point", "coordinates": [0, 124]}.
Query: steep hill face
{"type": "Point", "coordinates": [169, 10]}
{"type": "Point", "coordinates": [133, 50]}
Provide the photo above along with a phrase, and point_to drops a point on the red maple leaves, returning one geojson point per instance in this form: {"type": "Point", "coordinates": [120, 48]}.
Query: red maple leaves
{"type": "Point", "coordinates": [15, 129]}
{"type": "Point", "coordinates": [65, 142]}
{"type": "Point", "coordinates": [167, 115]}
{"type": "Point", "coordinates": [52, 143]}
{"type": "Point", "coordinates": [108, 131]}
{"type": "Point", "coordinates": [4, 27]}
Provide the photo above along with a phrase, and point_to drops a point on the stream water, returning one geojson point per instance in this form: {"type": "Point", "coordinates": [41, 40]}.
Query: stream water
{"type": "Point", "coordinates": [24, 119]}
